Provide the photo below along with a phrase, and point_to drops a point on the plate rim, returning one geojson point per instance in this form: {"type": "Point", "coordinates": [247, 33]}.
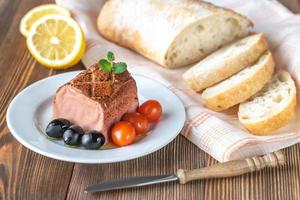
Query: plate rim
{"type": "Point", "coordinates": [76, 159]}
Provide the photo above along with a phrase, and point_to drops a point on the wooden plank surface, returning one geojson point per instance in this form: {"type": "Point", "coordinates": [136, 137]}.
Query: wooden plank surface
{"type": "Point", "coordinates": [27, 175]}
{"type": "Point", "coordinates": [293, 5]}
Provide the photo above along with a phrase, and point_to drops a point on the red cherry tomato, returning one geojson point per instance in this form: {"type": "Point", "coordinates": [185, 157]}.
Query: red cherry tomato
{"type": "Point", "coordinates": [139, 122]}
{"type": "Point", "coordinates": [123, 133]}
{"type": "Point", "coordinates": [151, 109]}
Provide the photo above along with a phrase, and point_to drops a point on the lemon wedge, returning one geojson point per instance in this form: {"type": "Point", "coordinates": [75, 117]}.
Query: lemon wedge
{"type": "Point", "coordinates": [36, 13]}
{"type": "Point", "coordinates": [56, 41]}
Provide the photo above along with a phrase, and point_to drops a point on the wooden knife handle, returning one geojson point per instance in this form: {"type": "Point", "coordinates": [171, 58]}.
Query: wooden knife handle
{"type": "Point", "coordinates": [232, 168]}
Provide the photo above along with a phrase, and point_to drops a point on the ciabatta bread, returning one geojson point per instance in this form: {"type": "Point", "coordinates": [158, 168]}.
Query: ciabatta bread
{"type": "Point", "coordinates": [240, 86]}
{"type": "Point", "coordinates": [272, 107]}
{"type": "Point", "coordinates": [172, 33]}
{"type": "Point", "coordinates": [225, 62]}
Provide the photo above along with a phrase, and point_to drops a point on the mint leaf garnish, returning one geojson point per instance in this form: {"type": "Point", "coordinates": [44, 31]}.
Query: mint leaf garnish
{"type": "Point", "coordinates": [119, 67]}
{"type": "Point", "coordinates": [105, 65]}
{"type": "Point", "coordinates": [108, 65]}
{"type": "Point", "coordinates": [110, 56]}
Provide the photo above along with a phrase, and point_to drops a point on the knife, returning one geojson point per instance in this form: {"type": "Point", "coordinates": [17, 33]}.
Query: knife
{"type": "Point", "coordinates": [220, 170]}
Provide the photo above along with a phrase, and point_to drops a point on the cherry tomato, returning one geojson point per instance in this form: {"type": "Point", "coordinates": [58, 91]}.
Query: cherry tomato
{"type": "Point", "coordinates": [139, 122]}
{"type": "Point", "coordinates": [151, 109]}
{"type": "Point", "coordinates": [123, 133]}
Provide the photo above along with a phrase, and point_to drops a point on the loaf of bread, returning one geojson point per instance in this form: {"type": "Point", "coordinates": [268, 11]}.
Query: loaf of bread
{"type": "Point", "coordinates": [225, 62]}
{"type": "Point", "coordinates": [240, 86]}
{"type": "Point", "coordinates": [173, 33]}
{"type": "Point", "coordinates": [272, 108]}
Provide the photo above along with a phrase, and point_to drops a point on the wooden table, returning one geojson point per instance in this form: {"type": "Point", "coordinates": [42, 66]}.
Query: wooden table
{"type": "Point", "coordinates": [27, 175]}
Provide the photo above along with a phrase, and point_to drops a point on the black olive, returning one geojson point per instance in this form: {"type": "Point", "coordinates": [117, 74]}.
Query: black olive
{"type": "Point", "coordinates": [92, 140]}
{"type": "Point", "coordinates": [57, 127]}
{"type": "Point", "coordinates": [72, 135]}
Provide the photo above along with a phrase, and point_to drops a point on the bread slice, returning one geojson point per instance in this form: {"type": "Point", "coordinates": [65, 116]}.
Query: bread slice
{"type": "Point", "coordinates": [240, 86]}
{"type": "Point", "coordinates": [172, 33]}
{"type": "Point", "coordinates": [225, 62]}
{"type": "Point", "coordinates": [272, 107]}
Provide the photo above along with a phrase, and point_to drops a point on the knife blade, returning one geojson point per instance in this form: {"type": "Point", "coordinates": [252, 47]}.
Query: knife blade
{"type": "Point", "coordinates": [130, 182]}
{"type": "Point", "coordinates": [220, 170]}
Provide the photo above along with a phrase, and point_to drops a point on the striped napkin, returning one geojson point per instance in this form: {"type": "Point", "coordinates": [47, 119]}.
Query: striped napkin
{"type": "Point", "coordinates": [219, 134]}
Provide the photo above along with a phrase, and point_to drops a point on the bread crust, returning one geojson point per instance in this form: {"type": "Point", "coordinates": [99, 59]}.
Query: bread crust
{"type": "Point", "coordinates": [240, 92]}
{"type": "Point", "coordinates": [277, 120]}
{"type": "Point", "coordinates": [226, 67]}
{"type": "Point", "coordinates": [152, 33]}
{"type": "Point", "coordinates": [268, 126]}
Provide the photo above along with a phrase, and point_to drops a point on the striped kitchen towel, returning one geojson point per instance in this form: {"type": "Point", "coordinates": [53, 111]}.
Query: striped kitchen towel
{"type": "Point", "coordinates": [218, 134]}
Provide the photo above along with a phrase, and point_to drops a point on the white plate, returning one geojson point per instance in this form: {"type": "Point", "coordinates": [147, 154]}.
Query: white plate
{"type": "Point", "coordinates": [31, 111]}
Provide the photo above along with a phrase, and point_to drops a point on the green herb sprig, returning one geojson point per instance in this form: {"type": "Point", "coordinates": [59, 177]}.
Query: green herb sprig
{"type": "Point", "coordinates": [108, 65]}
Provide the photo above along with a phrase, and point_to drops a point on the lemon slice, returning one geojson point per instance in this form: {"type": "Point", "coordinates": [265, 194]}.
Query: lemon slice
{"type": "Point", "coordinates": [36, 13]}
{"type": "Point", "coordinates": [56, 41]}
